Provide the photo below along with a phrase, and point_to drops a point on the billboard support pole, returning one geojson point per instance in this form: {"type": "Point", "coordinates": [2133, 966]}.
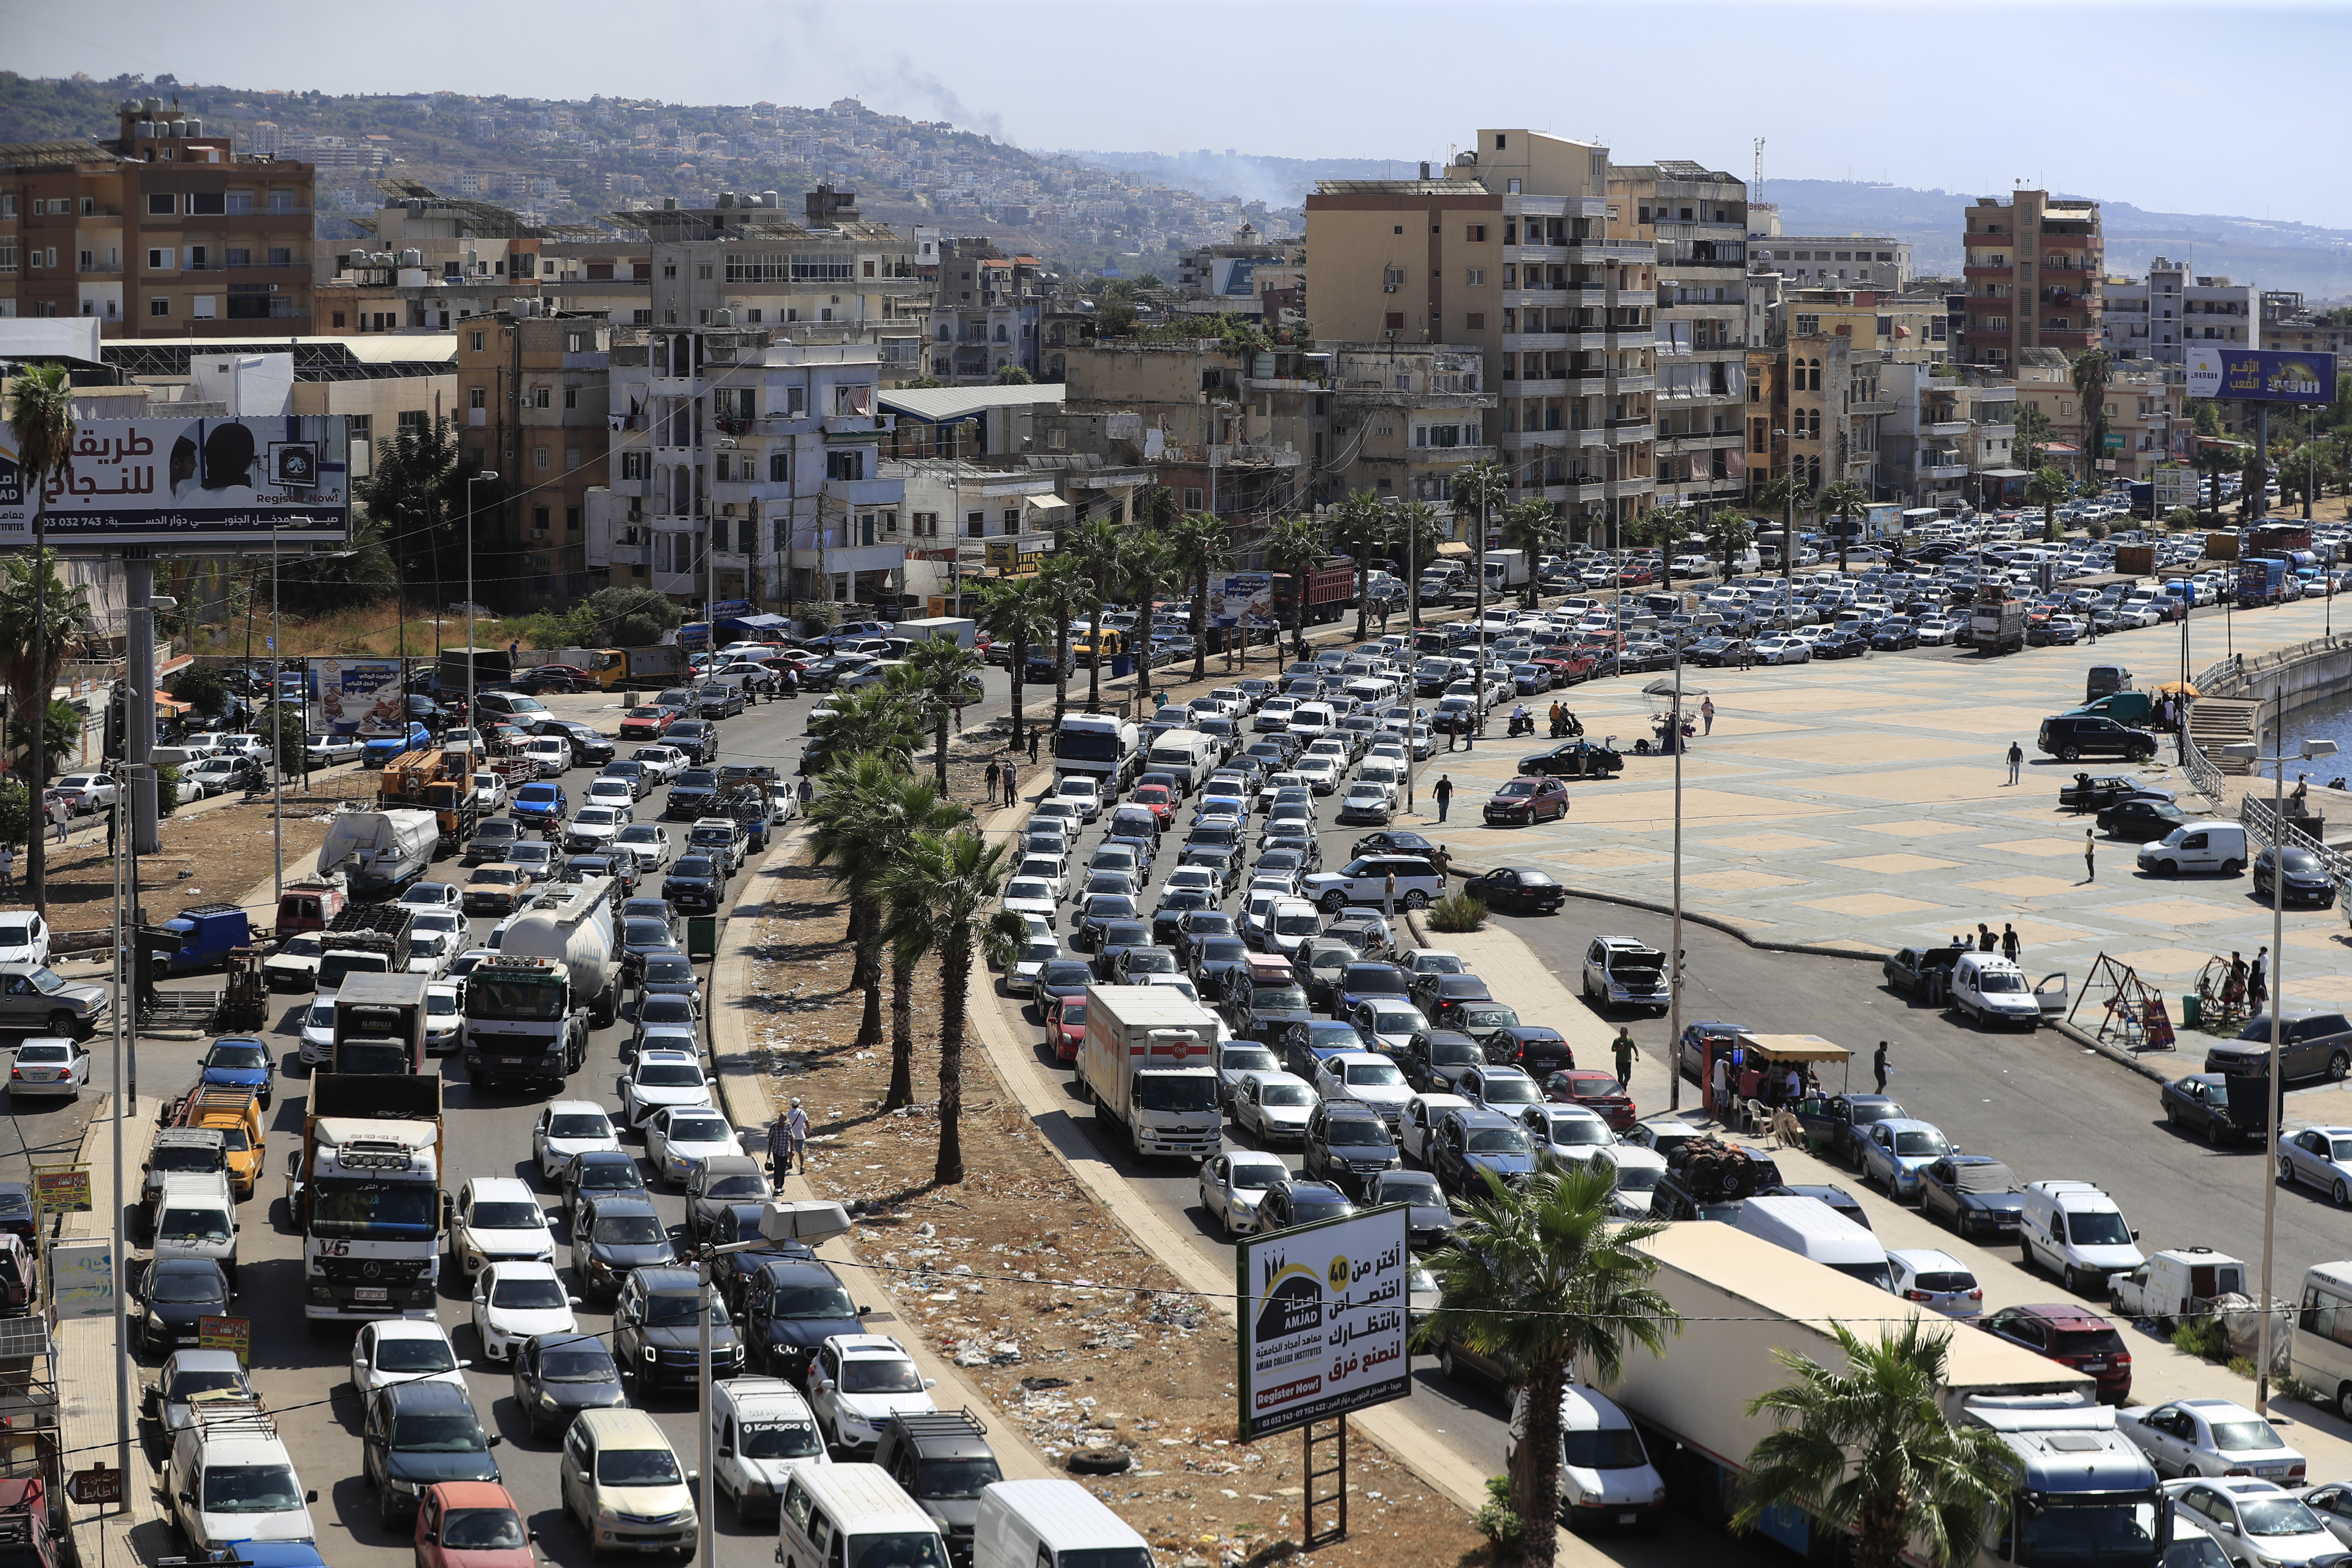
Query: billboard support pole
{"type": "Point", "coordinates": [1309, 1537]}
{"type": "Point", "coordinates": [2260, 499]}
{"type": "Point", "coordinates": [139, 721]}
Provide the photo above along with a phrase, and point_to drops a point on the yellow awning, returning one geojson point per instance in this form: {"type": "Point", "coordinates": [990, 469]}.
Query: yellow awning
{"type": "Point", "coordinates": [1452, 547]}
{"type": "Point", "coordinates": [1797, 1049]}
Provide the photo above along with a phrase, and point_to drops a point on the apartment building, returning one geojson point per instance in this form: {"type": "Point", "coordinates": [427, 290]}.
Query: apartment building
{"type": "Point", "coordinates": [1404, 418]}
{"type": "Point", "coordinates": [746, 465]}
{"type": "Point", "coordinates": [2033, 265]}
{"type": "Point", "coordinates": [536, 392]}
{"type": "Point", "coordinates": [164, 232]}
{"type": "Point", "coordinates": [1949, 439]}
{"type": "Point", "coordinates": [2153, 318]}
{"type": "Point", "coordinates": [1225, 437]}
{"type": "Point", "coordinates": [1855, 261]}
{"type": "Point", "coordinates": [2145, 421]}
{"type": "Point", "coordinates": [2287, 324]}
{"type": "Point", "coordinates": [985, 313]}
{"type": "Point", "coordinates": [1247, 275]}
{"type": "Point", "coordinates": [1819, 407]}
{"type": "Point", "coordinates": [962, 519]}
{"type": "Point", "coordinates": [1698, 219]}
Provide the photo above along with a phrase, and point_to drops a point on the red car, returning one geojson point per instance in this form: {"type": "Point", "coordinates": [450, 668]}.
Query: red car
{"type": "Point", "coordinates": [1530, 798]}
{"type": "Point", "coordinates": [1159, 798]}
{"type": "Point", "coordinates": [647, 722]}
{"type": "Point", "coordinates": [2072, 1336]}
{"type": "Point", "coordinates": [1066, 1025]}
{"type": "Point", "coordinates": [1596, 1091]}
{"type": "Point", "coordinates": [470, 1524]}
{"type": "Point", "coordinates": [1636, 575]}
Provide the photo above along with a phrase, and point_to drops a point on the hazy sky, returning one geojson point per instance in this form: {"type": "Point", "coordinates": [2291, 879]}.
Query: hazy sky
{"type": "Point", "coordinates": [2198, 108]}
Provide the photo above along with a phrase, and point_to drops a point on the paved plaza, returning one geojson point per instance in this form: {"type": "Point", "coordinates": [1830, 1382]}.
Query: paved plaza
{"type": "Point", "coordinates": [1866, 802]}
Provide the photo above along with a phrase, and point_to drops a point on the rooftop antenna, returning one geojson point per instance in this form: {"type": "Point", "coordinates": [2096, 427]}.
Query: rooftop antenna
{"type": "Point", "coordinates": [1756, 185]}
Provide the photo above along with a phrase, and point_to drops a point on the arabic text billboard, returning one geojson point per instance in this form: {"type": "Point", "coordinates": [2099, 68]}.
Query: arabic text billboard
{"type": "Point", "coordinates": [1244, 598]}
{"type": "Point", "coordinates": [200, 482]}
{"type": "Point", "coordinates": [2261, 376]}
{"type": "Point", "coordinates": [357, 696]}
{"type": "Point", "coordinates": [1323, 1320]}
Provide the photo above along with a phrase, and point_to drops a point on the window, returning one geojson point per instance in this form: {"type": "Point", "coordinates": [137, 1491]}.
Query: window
{"type": "Point", "coordinates": [539, 457]}
{"type": "Point", "coordinates": [927, 524]}
{"type": "Point", "coordinates": [160, 259]}
{"type": "Point", "coordinates": [412, 421]}
{"type": "Point", "coordinates": [7, 255]}
{"type": "Point", "coordinates": [207, 204]}
{"type": "Point", "coordinates": [201, 308]}
{"type": "Point", "coordinates": [1475, 277]}
{"type": "Point", "coordinates": [281, 202]}
{"type": "Point", "coordinates": [779, 467]}
{"type": "Point", "coordinates": [475, 343]}
{"type": "Point", "coordinates": [844, 465]}
{"type": "Point", "coordinates": [1400, 228]}
{"type": "Point", "coordinates": [159, 305]}
{"type": "Point", "coordinates": [538, 397]}
{"type": "Point", "coordinates": [633, 465]}
{"type": "Point", "coordinates": [1476, 234]}
{"type": "Point", "coordinates": [159, 204]}
{"type": "Point", "coordinates": [539, 519]}
{"type": "Point", "coordinates": [1476, 320]}
{"type": "Point", "coordinates": [1394, 321]}
{"type": "Point", "coordinates": [572, 461]}
{"type": "Point", "coordinates": [1192, 493]}
{"type": "Point", "coordinates": [1808, 326]}
{"type": "Point", "coordinates": [570, 397]}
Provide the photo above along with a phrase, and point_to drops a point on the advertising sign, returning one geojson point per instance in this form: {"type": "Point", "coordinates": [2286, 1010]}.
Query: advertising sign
{"type": "Point", "coordinates": [358, 697]}
{"type": "Point", "coordinates": [227, 1334]}
{"type": "Point", "coordinates": [1243, 598]}
{"type": "Point", "coordinates": [62, 1189]}
{"type": "Point", "coordinates": [81, 1279]}
{"type": "Point", "coordinates": [1233, 277]}
{"type": "Point", "coordinates": [2261, 376]}
{"type": "Point", "coordinates": [2175, 486]}
{"type": "Point", "coordinates": [1322, 1320]}
{"type": "Point", "coordinates": [188, 483]}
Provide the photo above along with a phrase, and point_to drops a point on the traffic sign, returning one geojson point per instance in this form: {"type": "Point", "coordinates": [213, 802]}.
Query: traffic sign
{"type": "Point", "coordinates": [98, 1485]}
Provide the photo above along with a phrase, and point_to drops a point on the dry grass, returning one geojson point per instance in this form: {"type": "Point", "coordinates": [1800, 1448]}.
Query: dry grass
{"type": "Point", "coordinates": [209, 858]}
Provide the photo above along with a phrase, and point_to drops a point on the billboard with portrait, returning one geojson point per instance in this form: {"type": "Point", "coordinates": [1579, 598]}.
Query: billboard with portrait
{"type": "Point", "coordinates": [208, 483]}
{"type": "Point", "coordinates": [2261, 376]}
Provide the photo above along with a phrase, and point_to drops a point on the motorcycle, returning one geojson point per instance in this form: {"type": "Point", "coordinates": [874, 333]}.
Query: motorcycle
{"type": "Point", "coordinates": [1522, 724]}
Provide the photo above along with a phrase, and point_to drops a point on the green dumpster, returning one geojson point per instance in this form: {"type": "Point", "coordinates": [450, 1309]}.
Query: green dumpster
{"type": "Point", "coordinates": [2191, 1010]}
{"type": "Point", "coordinates": [702, 936]}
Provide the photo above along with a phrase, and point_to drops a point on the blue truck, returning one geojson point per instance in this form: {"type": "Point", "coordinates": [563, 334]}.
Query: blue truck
{"type": "Point", "coordinates": [207, 934]}
{"type": "Point", "coordinates": [2262, 580]}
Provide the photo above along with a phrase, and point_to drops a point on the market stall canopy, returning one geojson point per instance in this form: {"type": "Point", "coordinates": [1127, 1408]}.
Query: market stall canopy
{"type": "Point", "coordinates": [1796, 1048]}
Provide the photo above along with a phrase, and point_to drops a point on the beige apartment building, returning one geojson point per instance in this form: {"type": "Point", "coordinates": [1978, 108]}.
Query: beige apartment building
{"type": "Point", "coordinates": [2147, 422]}
{"type": "Point", "coordinates": [2032, 266]}
{"type": "Point", "coordinates": [1698, 219]}
{"type": "Point", "coordinates": [536, 394]}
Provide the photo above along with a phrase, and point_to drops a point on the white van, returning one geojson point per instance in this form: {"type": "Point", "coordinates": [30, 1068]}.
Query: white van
{"type": "Point", "coordinates": [1052, 1524]}
{"type": "Point", "coordinates": [2076, 1232]}
{"type": "Point", "coordinates": [1992, 990]}
{"type": "Point", "coordinates": [854, 1513]}
{"type": "Point", "coordinates": [761, 1433]}
{"type": "Point", "coordinates": [1188, 755]}
{"type": "Point", "coordinates": [2217, 847]}
{"type": "Point", "coordinates": [2321, 1345]}
{"type": "Point", "coordinates": [1605, 1474]}
{"type": "Point", "coordinates": [1810, 1228]}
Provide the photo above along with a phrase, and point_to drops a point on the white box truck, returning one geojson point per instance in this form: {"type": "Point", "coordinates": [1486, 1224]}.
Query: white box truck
{"type": "Point", "coordinates": [955, 628]}
{"type": "Point", "coordinates": [1742, 1299]}
{"type": "Point", "coordinates": [1146, 1066]}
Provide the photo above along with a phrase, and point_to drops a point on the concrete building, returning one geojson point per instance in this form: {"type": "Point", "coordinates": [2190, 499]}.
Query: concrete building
{"type": "Point", "coordinates": [164, 232]}
{"type": "Point", "coordinates": [537, 396]}
{"type": "Point", "coordinates": [1227, 439]}
{"type": "Point", "coordinates": [1949, 439]}
{"type": "Point", "coordinates": [1238, 275]}
{"type": "Point", "coordinates": [1856, 261]}
{"type": "Point", "coordinates": [985, 313]}
{"type": "Point", "coordinates": [1821, 405]}
{"type": "Point", "coordinates": [746, 465]}
{"type": "Point", "coordinates": [965, 519]}
{"type": "Point", "coordinates": [1699, 219]}
{"type": "Point", "coordinates": [2033, 267]}
{"type": "Point", "coordinates": [2153, 318]}
{"type": "Point", "coordinates": [2287, 324]}
{"type": "Point", "coordinates": [971, 422]}
{"type": "Point", "coordinates": [2145, 416]}
{"type": "Point", "coordinates": [1405, 416]}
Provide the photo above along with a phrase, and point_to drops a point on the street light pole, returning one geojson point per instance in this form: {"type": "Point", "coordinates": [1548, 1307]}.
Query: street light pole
{"type": "Point", "coordinates": [1673, 691]}
{"type": "Point", "coordinates": [473, 722]}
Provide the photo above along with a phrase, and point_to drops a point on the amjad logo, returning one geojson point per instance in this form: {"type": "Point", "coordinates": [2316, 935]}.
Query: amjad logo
{"type": "Point", "coordinates": [1291, 1296]}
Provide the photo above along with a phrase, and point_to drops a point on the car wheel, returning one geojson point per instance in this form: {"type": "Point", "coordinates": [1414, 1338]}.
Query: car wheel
{"type": "Point", "coordinates": [1453, 1373]}
{"type": "Point", "coordinates": [2025, 1255]}
{"type": "Point", "coordinates": [2340, 1194]}
{"type": "Point", "coordinates": [2213, 1133]}
{"type": "Point", "coordinates": [61, 1022]}
{"type": "Point", "coordinates": [2338, 1065]}
{"type": "Point", "coordinates": [1416, 899]}
{"type": "Point", "coordinates": [2344, 1401]}
{"type": "Point", "coordinates": [2231, 867]}
{"type": "Point", "coordinates": [2069, 755]}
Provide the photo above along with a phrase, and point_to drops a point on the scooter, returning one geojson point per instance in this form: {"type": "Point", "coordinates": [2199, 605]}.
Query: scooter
{"type": "Point", "coordinates": [1521, 724]}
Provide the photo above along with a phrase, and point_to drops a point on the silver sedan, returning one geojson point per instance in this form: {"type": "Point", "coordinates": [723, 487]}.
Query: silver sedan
{"type": "Point", "coordinates": [2319, 1157]}
{"type": "Point", "coordinates": [1232, 1183]}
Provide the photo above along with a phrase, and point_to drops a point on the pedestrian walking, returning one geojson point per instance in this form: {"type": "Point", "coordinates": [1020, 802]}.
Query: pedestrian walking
{"type": "Point", "coordinates": [1986, 941]}
{"type": "Point", "coordinates": [60, 815]}
{"type": "Point", "coordinates": [1706, 715]}
{"type": "Point", "coordinates": [9, 870]}
{"type": "Point", "coordinates": [111, 822]}
{"type": "Point", "coordinates": [2258, 975]}
{"type": "Point", "coordinates": [2233, 988]}
{"type": "Point", "coordinates": [2010, 944]}
{"type": "Point", "coordinates": [1878, 1066]}
{"type": "Point", "coordinates": [780, 1149]}
{"type": "Point", "coordinates": [2090, 864]}
{"type": "Point", "coordinates": [807, 789]}
{"type": "Point", "coordinates": [992, 771]}
{"type": "Point", "coordinates": [1033, 747]}
{"type": "Point", "coordinates": [1444, 793]}
{"type": "Point", "coordinates": [1625, 1051]}
{"type": "Point", "coordinates": [1723, 1090]}
{"type": "Point", "coordinates": [2016, 760]}
{"type": "Point", "coordinates": [1388, 897]}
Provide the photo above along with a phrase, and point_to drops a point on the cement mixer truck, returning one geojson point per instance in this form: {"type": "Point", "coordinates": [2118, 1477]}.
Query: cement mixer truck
{"type": "Point", "coordinates": [556, 975]}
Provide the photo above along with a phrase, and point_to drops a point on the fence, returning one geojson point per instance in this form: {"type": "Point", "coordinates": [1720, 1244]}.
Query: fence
{"type": "Point", "coordinates": [2262, 823]}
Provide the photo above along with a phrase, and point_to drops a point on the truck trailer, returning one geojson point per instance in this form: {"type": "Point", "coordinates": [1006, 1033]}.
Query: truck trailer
{"type": "Point", "coordinates": [380, 1024]}
{"type": "Point", "coordinates": [382, 852]}
{"type": "Point", "coordinates": [557, 975]}
{"type": "Point", "coordinates": [1146, 1066]}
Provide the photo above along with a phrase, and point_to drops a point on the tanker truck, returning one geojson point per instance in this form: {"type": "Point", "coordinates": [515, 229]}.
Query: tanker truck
{"type": "Point", "coordinates": [556, 975]}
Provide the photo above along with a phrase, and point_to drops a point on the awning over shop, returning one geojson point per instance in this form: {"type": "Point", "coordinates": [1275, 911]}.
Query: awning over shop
{"type": "Point", "coordinates": [1797, 1049]}
{"type": "Point", "coordinates": [2005, 474]}
{"type": "Point", "coordinates": [1453, 547]}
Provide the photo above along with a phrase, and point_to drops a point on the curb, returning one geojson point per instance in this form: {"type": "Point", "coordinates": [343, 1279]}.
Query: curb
{"type": "Point", "coordinates": [2120, 1057]}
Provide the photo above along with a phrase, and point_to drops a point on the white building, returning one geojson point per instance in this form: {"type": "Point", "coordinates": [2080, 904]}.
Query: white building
{"type": "Point", "coordinates": [748, 468]}
{"type": "Point", "coordinates": [963, 519]}
{"type": "Point", "coordinates": [1852, 261]}
{"type": "Point", "coordinates": [2155, 317]}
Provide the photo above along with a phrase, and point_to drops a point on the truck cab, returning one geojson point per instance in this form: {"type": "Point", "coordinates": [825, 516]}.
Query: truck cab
{"type": "Point", "coordinates": [207, 934]}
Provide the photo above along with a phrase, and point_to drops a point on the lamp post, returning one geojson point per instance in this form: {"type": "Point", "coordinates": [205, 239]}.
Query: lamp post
{"type": "Point", "coordinates": [472, 722]}
{"type": "Point", "coordinates": [2309, 750]}
{"type": "Point", "coordinates": [1673, 691]}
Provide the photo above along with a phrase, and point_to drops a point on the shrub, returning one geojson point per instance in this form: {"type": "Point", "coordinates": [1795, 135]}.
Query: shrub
{"type": "Point", "coordinates": [1457, 913]}
{"type": "Point", "coordinates": [2204, 1338]}
{"type": "Point", "coordinates": [1499, 1522]}
{"type": "Point", "coordinates": [2244, 1366]}
{"type": "Point", "coordinates": [203, 687]}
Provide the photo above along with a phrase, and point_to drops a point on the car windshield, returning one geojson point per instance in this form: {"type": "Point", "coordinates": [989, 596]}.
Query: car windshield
{"type": "Point", "coordinates": [668, 1075]}
{"type": "Point", "coordinates": [958, 1478]}
{"type": "Point", "coordinates": [1496, 1140]}
{"type": "Point", "coordinates": [1297, 923]}
{"type": "Point", "coordinates": [184, 1284]}
{"type": "Point", "coordinates": [671, 1309]}
{"type": "Point", "coordinates": [226, 1056]}
{"type": "Point", "coordinates": [1921, 1144]}
{"type": "Point", "coordinates": [1358, 1133]}
{"type": "Point", "coordinates": [2098, 1228]}
{"type": "Point", "coordinates": [203, 1382]}
{"type": "Point", "coordinates": [2245, 1436]}
{"type": "Point", "coordinates": [250, 1489]}
{"type": "Point", "coordinates": [772, 1440]}
{"type": "Point", "coordinates": [925, 1550]}
{"type": "Point", "coordinates": [1245, 1058]}
{"type": "Point", "coordinates": [697, 1130]}
{"type": "Point", "coordinates": [510, 1216]}
{"type": "Point", "coordinates": [628, 1230]}
{"type": "Point", "coordinates": [2277, 1515]}
{"type": "Point", "coordinates": [1617, 1448]}
{"type": "Point", "coordinates": [1995, 981]}
{"type": "Point", "coordinates": [1162, 1091]}
{"type": "Point", "coordinates": [1375, 1075]}
{"type": "Point", "coordinates": [1409, 1189]}
{"type": "Point", "coordinates": [1580, 1129]}
{"type": "Point", "coordinates": [589, 1364]}
{"type": "Point", "coordinates": [1279, 999]}
{"type": "Point", "coordinates": [1073, 1013]}
{"type": "Point", "coordinates": [436, 1433]}
{"type": "Point", "coordinates": [1284, 1094]}
{"type": "Point", "coordinates": [638, 1468]}
{"type": "Point", "coordinates": [880, 1374]}
{"type": "Point", "coordinates": [528, 1295]}
{"type": "Point", "coordinates": [194, 1224]}
{"type": "Point", "coordinates": [1511, 1091]}
{"type": "Point", "coordinates": [1638, 1178]}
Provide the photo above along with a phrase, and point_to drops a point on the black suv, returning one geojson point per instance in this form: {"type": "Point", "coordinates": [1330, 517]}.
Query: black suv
{"type": "Point", "coordinates": [1347, 1145]}
{"type": "Point", "coordinates": [693, 792]}
{"type": "Point", "coordinates": [589, 750]}
{"type": "Point", "coordinates": [418, 1434]}
{"type": "Point", "coordinates": [942, 1461]}
{"type": "Point", "coordinates": [1300, 1200]}
{"type": "Point", "coordinates": [614, 1234]}
{"type": "Point", "coordinates": [2072, 735]}
{"type": "Point", "coordinates": [1436, 1057]}
{"type": "Point", "coordinates": [790, 1307]}
{"type": "Point", "coordinates": [556, 1376]}
{"type": "Point", "coordinates": [658, 1335]}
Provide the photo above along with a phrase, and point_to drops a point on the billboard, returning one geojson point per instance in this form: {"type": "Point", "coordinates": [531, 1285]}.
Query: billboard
{"type": "Point", "coordinates": [1243, 598]}
{"type": "Point", "coordinates": [1233, 278]}
{"type": "Point", "coordinates": [2175, 487]}
{"type": "Point", "coordinates": [2261, 376]}
{"type": "Point", "coordinates": [360, 696]}
{"type": "Point", "coordinates": [1323, 1320]}
{"type": "Point", "coordinates": [81, 1279]}
{"type": "Point", "coordinates": [201, 482]}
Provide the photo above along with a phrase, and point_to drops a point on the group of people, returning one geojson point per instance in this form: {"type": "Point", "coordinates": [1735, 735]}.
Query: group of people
{"type": "Point", "coordinates": [1003, 782]}
{"type": "Point", "coordinates": [2247, 986]}
{"type": "Point", "coordinates": [2007, 943]}
{"type": "Point", "coordinates": [1740, 1075]}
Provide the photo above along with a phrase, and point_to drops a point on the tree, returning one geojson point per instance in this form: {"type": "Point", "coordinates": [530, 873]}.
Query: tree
{"type": "Point", "coordinates": [1541, 1279]}
{"type": "Point", "coordinates": [2033, 436]}
{"type": "Point", "coordinates": [201, 686]}
{"type": "Point", "coordinates": [1149, 565]}
{"type": "Point", "coordinates": [41, 424]}
{"type": "Point", "coordinates": [1844, 498]}
{"type": "Point", "coordinates": [1095, 544]}
{"type": "Point", "coordinates": [2092, 371]}
{"type": "Point", "coordinates": [1423, 529]}
{"type": "Point", "coordinates": [1787, 495]}
{"type": "Point", "coordinates": [1202, 552]}
{"type": "Point", "coordinates": [942, 891]}
{"type": "Point", "coordinates": [1361, 527]}
{"type": "Point", "coordinates": [362, 572]}
{"type": "Point", "coordinates": [1481, 491]}
{"type": "Point", "coordinates": [418, 492]}
{"type": "Point", "coordinates": [875, 719]}
{"type": "Point", "coordinates": [1296, 546]}
{"type": "Point", "coordinates": [1728, 533]}
{"type": "Point", "coordinates": [1868, 1449]}
{"type": "Point", "coordinates": [1013, 375]}
{"type": "Point", "coordinates": [844, 836]}
{"type": "Point", "coordinates": [2214, 461]}
{"type": "Point", "coordinates": [633, 617]}
{"type": "Point", "coordinates": [2047, 489]}
{"type": "Point", "coordinates": [60, 735]}
{"type": "Point", "coordinates": [1062, 583]}
{"type": "Point", "coordinates": [941, 675]}
{"type": "Point", "coordinates": [888, 809]}
{"type": "Point", "coordinates": [1115, 321]}
{"type": "Point", "coordinates": [1013, 612]}
{"type": "Point", "coordinates": [1530, 526]}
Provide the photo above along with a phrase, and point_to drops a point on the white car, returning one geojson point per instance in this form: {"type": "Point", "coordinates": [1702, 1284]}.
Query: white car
{"type": "Point", "coordinates": [664, 762]}
{"type": "Point", "coordinates": [762, 1432]}
{"type": "Point", "coordinates": [1567, 1132]}
{"type": "Point", "coordinates": [1368, 1077]}
{"type": "Point", "coordinates": [449, 921]}
{"type": "Point", "coordinates": [433, 896]}
{"type": "Point", "coordinates": [1366, 801]}
{"type": "Point", "coordinates": [2257, 1523]}
{"type": "Point", "coordinates": [1639, 1172]}
{"type": "Point", "coordinates": [1784, 650]}
{"type": "Point", "coordinates": [567, 1130]}
{"type": "Point", "coordinates": [430, 953]}
{"type": "Point", "coordinates": [593, 826]}
{"type": "Point", "coordinates": [648, 841]}
{"type": "Point", "coordinates": [444, 1016]}
{"type": "Point", "coordinates": [660, 1080]}
{"type": "Point", "coordinates": [1031, 895]}
{"type": "Point", "coordinates": [516, 1300]}
{"type": "Point", "coordinates": [1021, 978]}
{"type": "Point", "coordinates": [50, 1065]}
{"type": "Point", "coordinates": [499, 1218]}
{"type": "Point", "coordinates": [1231, 1185]}
{"type": "Point", "coordinates": [403, 1350]}
{"type": "Point", "coordinates": [1391, 1023]}
{"type": "Point", "coordinates": [1273, 1107]}
{"type": "Point", "coordinates": [680, 1138]}
{"type": "Point", "coordinates": [490, 792]}
{"type": "Point", "coordinates": [2189, 1437]}
{"type": "Point", "coordinates": [2320, 1157]}
{"type": "Point", "coordinates": [1937, 631]}
{"type": "Point", "coordinates": [1052, 870]}
{"type": "Point", "coordinates": [87, 792]}
{"type": "Point", "coordinates": [1937, 1281]}
{"type": "Point", "coordinates": [858, 1382]}
{"type": "Point", "coordinates": [617, 792]}
{"type": "Point", "coordinates": [1321, 773]}
{"type": "Point", "coordinates": [1081, 791]}
{"type": "Point", "coordinates": [319, 1032]}
{"type": "Point", "coordinates": [1605, 1474]}
{"type": "Point", "coordinates": [24, 937]}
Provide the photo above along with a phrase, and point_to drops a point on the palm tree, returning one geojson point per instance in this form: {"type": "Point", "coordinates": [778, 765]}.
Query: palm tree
{"type": "Point", "coordinates": [1149, 567]}
{"type": "Point", "coordinates": [940, 891]}
{"type": "Point", "coordinates": [2048, 488]}
{"type": "Point", "coordinates": [1361, 527]}
{"type": "Point", "coordinates": [2213, 462]}
{"type": "Point", "coordinates": [1201, 550]}
{"type": "Point", "coordinates": [875, 720]}
{"type": "Point", "coordinates": [943, 675]}
{"type": "Point", "coordinates": [1868, 1449]}
{"type": "Point", "coordinates": [1727, 534]}
{"type": "Point", "coordinates": [1296, 546]}
{"type": "Point", "coordinates": [1424, 526]}
{"type": "Point", "coordinates": [894, 817]}
{"type": "Point", "coordinates": [1061, 583]}
{"type": "Point", "coordinates": [1844, 498]}
{"type": "Point", "coordinates": [1787, 494]}
{"type": "Point", "coordinates": [1480, 490]}
{"type": "Point", "coordinates": [846, 835]}
{"type": "Point", "coordinates": [1541, 1279]}
{"type": "Point", "coordinates": [1013, 612]}
{"type": "Point", "coordinates": [1096, 545]}
{"type": "Point", "coordinates": [1529, 526]}
{"type": "Point", "coordinates": [41, 423]}
{"type": "Point", "coordinates": [2092, 371]}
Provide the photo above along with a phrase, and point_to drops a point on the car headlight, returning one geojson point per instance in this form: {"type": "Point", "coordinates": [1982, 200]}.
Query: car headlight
{"type": "Point", "coordinates": [546, 1400]}
{"type": "Point", "coordinates": [405, 1488]}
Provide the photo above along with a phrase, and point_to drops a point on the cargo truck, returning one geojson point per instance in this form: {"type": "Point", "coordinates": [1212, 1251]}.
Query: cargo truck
{"type": "Point", "coordinates": [365, 1190]}
{"type": "Point", "coordinates": [1506, 570]}
{"type": "Point", "coordinates": [1102, 745]}
{"type": "Point", "coordinates": [1146, 1066]}
{"type": "Point", "coordinates": [1996, 621]}
{"type": "Point", "coordinates": [2080, 1485]}
{"type": "Point", "coordinates": [489, 667]}
{"type": "Point", "coordinates": [1331, 593]}
{"type": "Point", "coordinates": [952, 629]}
{"type": "Point", "coordinates": [380, 1024]}
{"type": "Point", "coordinates": [382, 852]}
{"type": "Point", "coordinates": [557, 975]}
{"type": "Point", "coordinates": [2262, 580]}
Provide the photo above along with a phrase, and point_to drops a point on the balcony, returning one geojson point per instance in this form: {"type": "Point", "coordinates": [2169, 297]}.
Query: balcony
{"type": "Point", "coordinates": [1237, 454]}
{"type": "Point", "coordinates": [1644, 382]}
{"type": "Point", "coordinates": [2069, 338]}
{"type": "Point", "coordinates": [1591, 340]}
{"type": "Point", "coordinates": [855, 427]}
{"type": "Point", "coordinates": [1873, 407]}
{"type": "Point", "coordinates": [1542, 299]}
{"type": "Point", "coordinates": [1944, 471]}
{"type": "Point", "coordinates": [1945, 427]}
{"type": "Point", "coordinates": [1521, 342]}
{"type": "Point", "coordinates": [1445, 456]}
{"type": "Point", "coordinates": [1610, 251]}
{"type": "Point", "coordinates": [1628, 432]}
{"type": "Point", "coordinates": [2004, 270]}
{"type": "Point", "coordinates": [1549, 386]}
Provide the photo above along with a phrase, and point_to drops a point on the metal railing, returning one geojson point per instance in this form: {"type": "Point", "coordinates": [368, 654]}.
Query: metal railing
{"type": "Point", "coordinates": [2262, 822]}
